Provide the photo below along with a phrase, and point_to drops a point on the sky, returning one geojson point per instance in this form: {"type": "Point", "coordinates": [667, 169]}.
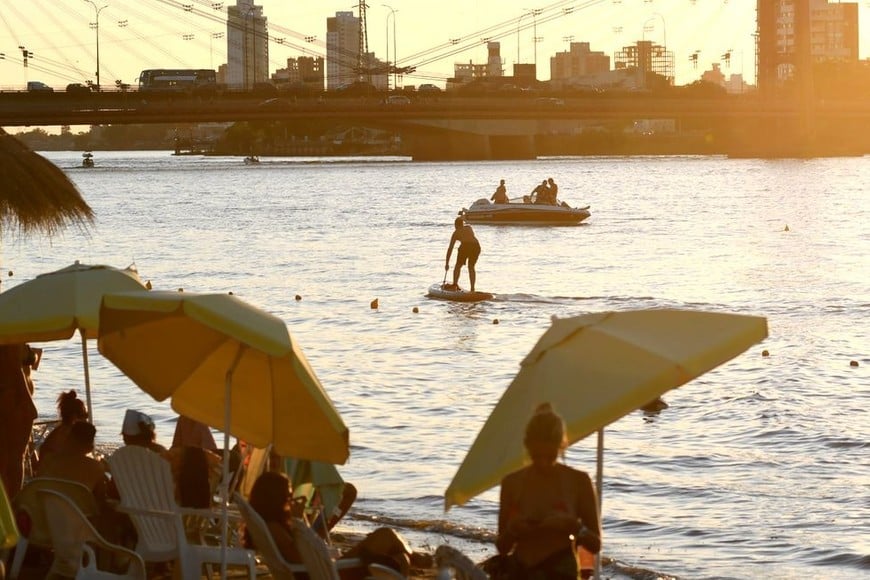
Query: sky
{"type": "Point", "coordinates": [431, 35]}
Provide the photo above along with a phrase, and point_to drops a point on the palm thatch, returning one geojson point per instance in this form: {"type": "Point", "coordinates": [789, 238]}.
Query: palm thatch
{"type": "Point", "coordinates": [35, 195]}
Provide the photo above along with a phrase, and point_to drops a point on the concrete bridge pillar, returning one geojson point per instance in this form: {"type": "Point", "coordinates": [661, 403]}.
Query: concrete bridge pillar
{"type": "Point", "coordinates": [449, 146]}
{"type": "Point", "coordinates": [457, 146]}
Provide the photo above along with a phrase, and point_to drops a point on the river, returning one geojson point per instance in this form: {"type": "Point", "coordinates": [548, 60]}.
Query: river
{"type": "Point", "coordinates": [757, 469]}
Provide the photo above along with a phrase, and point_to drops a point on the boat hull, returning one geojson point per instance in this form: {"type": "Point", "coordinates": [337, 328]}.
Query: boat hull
{"type": "Point", "coordinates": [525, 214]}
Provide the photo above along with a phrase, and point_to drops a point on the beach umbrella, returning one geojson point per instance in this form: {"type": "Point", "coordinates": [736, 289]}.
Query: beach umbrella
{"type": "Point", "coordinates": [54, 305]}
{"type": "Point", "coordinates": [594, 369]}
{"type": "Point", "coordinates": [227, 364]}
{"type": "Point", "coordinates": [36, 195]}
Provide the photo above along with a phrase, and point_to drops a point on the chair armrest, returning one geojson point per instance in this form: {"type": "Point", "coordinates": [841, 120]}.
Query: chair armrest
{"type": "Point", "coordinates": [380, 571]}
{"type": "Point", "coordinates": [343, 563]}
{"type": "Point", "coordinates": [138, 511]}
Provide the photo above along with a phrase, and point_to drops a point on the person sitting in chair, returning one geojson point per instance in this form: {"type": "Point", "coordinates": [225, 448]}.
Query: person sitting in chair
{"type": "Point", "coordinates": [272, 498]}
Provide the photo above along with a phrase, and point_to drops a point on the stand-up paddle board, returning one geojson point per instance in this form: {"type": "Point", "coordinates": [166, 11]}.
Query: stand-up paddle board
{"type": "Point", "coordinates": [444, 292]}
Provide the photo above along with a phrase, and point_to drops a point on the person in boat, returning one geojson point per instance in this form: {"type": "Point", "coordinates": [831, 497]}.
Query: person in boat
{"type": "Point", "coordinates": [553, 191]}
{"type": "Point", "coordinates": [541, 194]}
{"type": "Point", "coordinates": [468, 252]}
{"type": "Point", "coordinates": [500, 195]}
{"type": "Point", "coordinates": [546, 510]}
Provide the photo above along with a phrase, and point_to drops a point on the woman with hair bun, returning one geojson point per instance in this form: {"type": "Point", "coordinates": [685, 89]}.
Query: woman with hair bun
{"type": "Point", "coordinates": [71, 410]}
{"type": "Point", "coordinates": [547, 509]}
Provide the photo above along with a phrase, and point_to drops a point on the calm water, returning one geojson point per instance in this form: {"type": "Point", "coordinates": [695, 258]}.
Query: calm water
{"type": "Point", "coordinates": [758, 469]}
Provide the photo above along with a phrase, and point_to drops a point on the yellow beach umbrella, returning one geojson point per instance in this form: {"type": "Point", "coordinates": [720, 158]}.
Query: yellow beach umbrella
{"type": "Point", "coordinates": [224, 363]}
{"type": "Point", "coordinates": [53, 306]}
{"type": "Point", "coordinates": [227, 364]}
{"type": "Point", "coordinates": [594, 369]}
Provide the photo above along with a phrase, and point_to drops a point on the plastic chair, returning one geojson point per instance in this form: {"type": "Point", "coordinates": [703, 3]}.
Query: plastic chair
{"type": "Point", "coordinates": [72, 535]}
{"type": "Point", "coordinates": [279, 567]}
{"type": "Point", "coordinates": [144, 480]}
{"type": "Point", "coordinates": [454, 564]}
{"type": "Point", "coordinates": [30, 514]}
{"type": "Point", "coordinates": [318, 560]}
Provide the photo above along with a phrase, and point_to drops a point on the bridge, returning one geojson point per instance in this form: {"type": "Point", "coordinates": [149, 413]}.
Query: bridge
{"type": "Point", "coordinates": [454, 127]}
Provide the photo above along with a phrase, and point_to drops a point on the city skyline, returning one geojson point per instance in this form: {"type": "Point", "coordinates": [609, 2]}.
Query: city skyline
{"type": "Point", "coordinates": [134, 36]}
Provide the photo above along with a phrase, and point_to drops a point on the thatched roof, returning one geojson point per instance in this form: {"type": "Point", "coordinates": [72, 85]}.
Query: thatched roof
{"type": "Point", "coordinates": [35, 195]}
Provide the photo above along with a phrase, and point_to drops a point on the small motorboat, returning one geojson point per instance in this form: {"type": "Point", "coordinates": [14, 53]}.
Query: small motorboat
{"type": "Point", "coordinates": [87, 159]}
{"type": "Point", "coordinates": [522, 212]}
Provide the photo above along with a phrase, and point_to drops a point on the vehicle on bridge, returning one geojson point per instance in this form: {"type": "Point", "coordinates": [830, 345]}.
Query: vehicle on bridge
{"type": "Point", "coordinates": [178, 80]}
{"type": "Point", "coordinates": [38, 87]}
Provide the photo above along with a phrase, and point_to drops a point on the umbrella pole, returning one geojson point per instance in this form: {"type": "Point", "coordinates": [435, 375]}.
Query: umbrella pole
{"type": "Point", "coordinates": [599, 477]}
{"type": "Point", "coordinates": [225, 491]}
{"type": "Point", "coordinates": [87, 375]}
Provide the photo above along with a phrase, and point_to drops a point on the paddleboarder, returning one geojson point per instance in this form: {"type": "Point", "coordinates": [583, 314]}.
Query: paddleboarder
{"type": "Point", "coordinates": [468, 252]}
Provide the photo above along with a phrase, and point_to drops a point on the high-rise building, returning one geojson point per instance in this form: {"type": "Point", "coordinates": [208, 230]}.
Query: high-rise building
{"type": "Point", "coordinates": [247, 45]}
{"type": "Point", "coordinates": [342, 50]}
{"type": "Point", "coordinates": [825, 31]}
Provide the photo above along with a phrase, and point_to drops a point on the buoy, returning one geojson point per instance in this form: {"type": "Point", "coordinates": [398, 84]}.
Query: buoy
{"type": "Point", "coordinates": [853, 363]}
{"type": "Point", "coordinates": [374, 304]}
{"type": "Point", "coordinates": [10, 273]}
{"type": "Point", "coordinates": [765, 353]}
{"type": "Point", "coordinates": [148, 284]}
{"type": "Point", "coordinates": [415, 310]}
{"type": "Point", "coordinates": [786, 228]}
{"type": "Point", "coordinates": [495, 320]}
{"type": "Point", "coordinates": [230, 293]}
{"type": "Point", "coordinates": [181, 289]}
{"type": "Point", "coordinates": [298, 298]}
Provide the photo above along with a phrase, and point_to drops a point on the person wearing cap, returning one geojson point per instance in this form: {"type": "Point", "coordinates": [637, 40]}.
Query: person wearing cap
{"type": "Point", "coordinates": [468, 252]}
{"type": "Point", "coordinates": [138, 429]}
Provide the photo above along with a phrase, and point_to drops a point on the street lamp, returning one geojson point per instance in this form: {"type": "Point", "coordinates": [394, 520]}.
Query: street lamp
{"type": "Point", "coordinates": [96, 26]}
{"type": "Point", "coordinates": [664, 28]}
{"type": "Point", "coordinates": [395, 57]}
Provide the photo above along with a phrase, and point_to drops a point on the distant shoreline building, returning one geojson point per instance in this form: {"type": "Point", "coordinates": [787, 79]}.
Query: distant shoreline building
{"type": "Point", "coordinates": [568, 68]}
{"type": "Point", "coordinates": [304, 72]}
{"type": "Point", "coordinates": [342, 50]}
{"type": "Point", "coordinates": [789, 33]}
{"type": "Point", "coordinates": [247, 45]}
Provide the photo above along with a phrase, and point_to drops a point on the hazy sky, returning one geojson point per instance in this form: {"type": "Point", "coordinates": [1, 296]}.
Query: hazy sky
{"type": "Point", "coordinates": [430, 34]}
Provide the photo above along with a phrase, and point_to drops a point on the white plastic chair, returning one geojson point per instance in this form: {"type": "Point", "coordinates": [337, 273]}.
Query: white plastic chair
{"type": "Point", "coordinates": [318, 561]}
{"type": "Point", "coordinates": [454, 564]}
{"type": "Point", "coordinates": [28, 509]}
{"type": "Point", "coordinates": [72, 535]}
{"type": "Point", "coordinates": [144, 481]}
{"type": "Point", "coordinates": [280, 568]}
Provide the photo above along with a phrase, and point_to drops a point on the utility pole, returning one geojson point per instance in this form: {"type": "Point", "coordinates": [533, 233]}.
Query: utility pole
{"type": "Point", "coordinates": [363, 42]}
{"type": "Point", "coordinates": [96, 26]}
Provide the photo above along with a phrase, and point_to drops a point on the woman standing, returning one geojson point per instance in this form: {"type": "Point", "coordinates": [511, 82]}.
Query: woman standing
{"type": "Point", "coordinates": [17, 411]}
